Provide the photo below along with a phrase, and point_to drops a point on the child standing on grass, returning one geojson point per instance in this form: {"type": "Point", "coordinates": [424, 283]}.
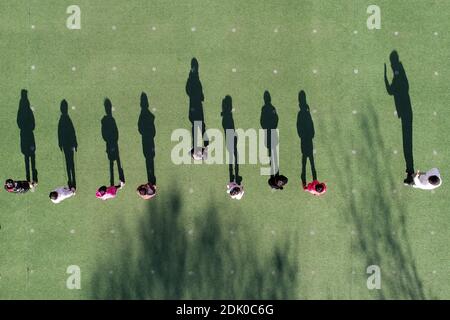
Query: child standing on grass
{"type": "Point", "coordinates": [277, 181]}
{"type": "Point", "coordinates": [19, 186]}
{"type": "Point", "coordinates": [105, 193]}
{"type": "Point", "coordinates": [61, 193]}
{"type": "Point", "coordinates": [316, 188]}
{"type": "Point", "coordinates": [146, 191]}
{"type": "Point", "coordinates": [427, 180]}
{"type": "Point", "coordinates": [235, 190]}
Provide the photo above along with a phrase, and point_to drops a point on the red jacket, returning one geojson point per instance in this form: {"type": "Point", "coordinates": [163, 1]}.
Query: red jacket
{"type": "Point", "coordinates": [311, 188]}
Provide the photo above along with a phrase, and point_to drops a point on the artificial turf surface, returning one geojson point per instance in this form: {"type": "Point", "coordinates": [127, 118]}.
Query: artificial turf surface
{"type": "Point", "coordinates": [192, 241]}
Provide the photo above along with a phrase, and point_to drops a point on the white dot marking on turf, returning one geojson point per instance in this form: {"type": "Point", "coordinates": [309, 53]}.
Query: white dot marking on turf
{"type": "Point", "coordinates": [114, 27]}
{"type": "Point", "coordinates": [434, 113]}
{"type": "Point", "coordinates": [113, 231]}
{"type": "Point", "coordinates": [154, 109]}
{"type": "Point", "coordinates": [233, 70]}
{"type": "Point", "coordinates": [314, 31]}
{"type": "Point", "coordinates": [312, 232]}
{"type": "Point", "coordinates": [353, 151]}
{"type": "Point", "coordinates": [233, 30]}
{"type": "Point", "coordinates": [111, 272]}
{"type": "Point", "coordinates": [355, 71]}
{"type": "Point", "coordinates": [31, 230]}
{"type": "Point", "coordinates": [434, 271]}
{"type": "Point", "coordinates": [154, 69]}
{"type": "Point", "coordinates": [435, 33]}
{"type": "Point", "coordinates": [432, 233]}
{"type": "Point", "coordinates": [33, 67]}
{"type": "Point", "coordinates": [154, 28]}
{"type": "Point", "coordinates": [275, 71]}
{"type": "Point", "coordinates": [354, 112]}
{"type": "Point", "coordinates": [314, 71]}
{"type": "Point", "coordinates": [72, 231]}
{"type": "Point", "coordinates": [114, 68]}
{"type": "Point", "coordinates": [436, 73]}
{"type": "Point", "coordinates": [434, 152]}
{"type": "Point", "coordinates": [73, 107]}
{"type": "Point", "coordinates": [395, 151]}
{"type": "Point", "coordinates": [314, 110]}
{"type": "Point", "coordinates": [33, 26]}
{"type": "Point", "coordinates": [395, 113]}
{"type": "Point", "coordinates": [191, 232]}
{"type": "Point", "coordinates": [275, 30]}
{"type": "Point", "coordinates": [74, 68]}
{"type": "Point", "coordinates": [355, 32]}
{"type": "Point", "coordinates": [396, 33]}
{"type": "Point", "coordinates": [233, 110]}
{"type": "Point", "coordinates": [193, 29]}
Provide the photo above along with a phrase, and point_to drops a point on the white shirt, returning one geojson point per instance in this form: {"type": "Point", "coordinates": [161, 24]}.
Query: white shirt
{"type": "Point", "coordinates": [421, 180]}
{"type": "Point", "coordinates": [63, 193]}
{"type": "Point", "coordinates": [231, 186]}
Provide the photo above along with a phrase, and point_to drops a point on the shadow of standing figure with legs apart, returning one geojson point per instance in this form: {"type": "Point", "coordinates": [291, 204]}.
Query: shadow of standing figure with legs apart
{"type": "Point", "coordinates": [26, 124]}
{"type": "Point", "coordinates": [110, 135]}
{"type": "Point", "coordinates": [399, 88]}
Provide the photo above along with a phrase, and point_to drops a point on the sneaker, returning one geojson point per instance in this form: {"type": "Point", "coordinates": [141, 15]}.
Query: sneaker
{"type": "Point", "coordinates": [122, 184]}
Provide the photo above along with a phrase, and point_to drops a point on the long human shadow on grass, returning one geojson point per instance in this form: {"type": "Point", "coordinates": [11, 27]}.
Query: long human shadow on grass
{"type": "Point", "coordinates": [377, 213]}
{"type": "Point", "coordinates": [219, 260]}
{"type": "Point", "coordinates": [147, 129]}
{"type": "Point", "coordinates": [67, 142]}
{"type": "Point", "coordinates": [27, 124]}
{"type": "Point", "coordinates": [110, 135]}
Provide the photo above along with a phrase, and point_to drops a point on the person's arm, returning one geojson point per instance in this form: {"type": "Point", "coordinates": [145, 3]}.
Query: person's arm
{"type": "Point", "coordinates": [60, 135]}
{"type": "Point", "coordinates": [299, 127]}
{"type": "Point", "coordinates": [188, 86]}
{"type": "Point", "coordinates": [386, 82]}
{"type": "Point", "coordinates": [75, 142]}
{"type": "Point", "coordinates": [261, 119]}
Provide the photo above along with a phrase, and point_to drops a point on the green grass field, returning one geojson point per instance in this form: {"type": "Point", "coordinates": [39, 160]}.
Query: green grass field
{"type": "Point", "coordinates": [192, 241]}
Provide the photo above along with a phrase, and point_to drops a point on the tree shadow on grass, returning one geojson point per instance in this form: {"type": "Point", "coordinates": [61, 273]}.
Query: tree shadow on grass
{"type": "Point", "coordinates": [218, 260]}
{"type": "Point", "coordinates": [376, 209]}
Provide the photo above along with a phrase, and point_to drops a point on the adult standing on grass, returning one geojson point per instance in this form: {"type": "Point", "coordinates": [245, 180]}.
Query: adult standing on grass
{"type": "Point", "coordinates": [399, 88]}
{"type": "Point", "coordinates": [26, 124]}
{"type": "Point", "coordinates": [196, 98]}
